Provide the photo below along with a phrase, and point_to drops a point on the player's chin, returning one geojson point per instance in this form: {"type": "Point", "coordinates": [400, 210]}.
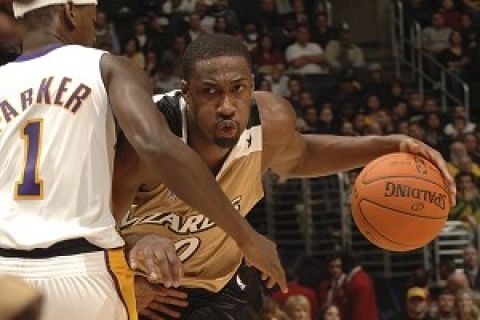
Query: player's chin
{"type": "Point", "coordinates": [226, 142]}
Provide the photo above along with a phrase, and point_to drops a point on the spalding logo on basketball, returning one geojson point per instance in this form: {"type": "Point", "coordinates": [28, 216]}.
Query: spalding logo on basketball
{"type": "Point", "coordinates": [400, 202]}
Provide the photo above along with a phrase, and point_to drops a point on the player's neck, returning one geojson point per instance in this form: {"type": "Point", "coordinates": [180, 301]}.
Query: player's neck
{"type": "Point", "coordinates": [38, 39]}
{"type": "Point", "coordinates": [213, 155]}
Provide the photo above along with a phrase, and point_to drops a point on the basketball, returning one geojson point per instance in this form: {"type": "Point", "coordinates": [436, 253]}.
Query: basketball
{"type": "Point", "coordinates": [400, 202]}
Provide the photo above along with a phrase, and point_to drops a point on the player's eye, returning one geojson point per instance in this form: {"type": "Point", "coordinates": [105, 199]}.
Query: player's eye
{"type": "Point", "coordinates": [239, 87]}
{"type": "Point", "coordinates": [209, 90]}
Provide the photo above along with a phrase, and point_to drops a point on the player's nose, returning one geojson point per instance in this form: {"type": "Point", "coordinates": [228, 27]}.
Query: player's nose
{"type": "Point", "coordinates": [227, 108]}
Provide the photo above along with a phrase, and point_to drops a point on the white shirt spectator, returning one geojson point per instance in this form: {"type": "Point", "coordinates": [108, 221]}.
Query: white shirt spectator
{"type": "Point", "coordinates": [295, 51]}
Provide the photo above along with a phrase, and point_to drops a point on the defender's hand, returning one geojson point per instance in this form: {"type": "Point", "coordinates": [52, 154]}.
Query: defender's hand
{"type": "Point", "coordinates": [419, 148]}
{"type": "Point", "coordinates": [156, 257]}
{"type": "Point", "coordinates": [153, 299]}
{"type": "Point", "coordinates": [261, 253]}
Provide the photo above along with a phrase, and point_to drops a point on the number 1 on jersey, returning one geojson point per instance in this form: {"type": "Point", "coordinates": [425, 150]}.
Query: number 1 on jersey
{"type": "Point", "coordinates": [30, 186]}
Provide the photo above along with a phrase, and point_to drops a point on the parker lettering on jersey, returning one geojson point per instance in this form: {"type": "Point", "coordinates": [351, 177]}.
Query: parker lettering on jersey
{"type": "Point", "coordinates": [210, 257]}
{"type": "Point", "coordinates": [51, 189]}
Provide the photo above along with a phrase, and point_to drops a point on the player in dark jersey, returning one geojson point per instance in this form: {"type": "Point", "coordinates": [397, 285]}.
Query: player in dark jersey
{"type": "Point", "coordinates": [218, 91]}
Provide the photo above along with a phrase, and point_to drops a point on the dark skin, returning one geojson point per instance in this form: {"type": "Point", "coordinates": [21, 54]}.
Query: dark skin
{"type": "Point", "coordinates": [219, 93]}
{"type": "Point", "coordinates": [146, 131]}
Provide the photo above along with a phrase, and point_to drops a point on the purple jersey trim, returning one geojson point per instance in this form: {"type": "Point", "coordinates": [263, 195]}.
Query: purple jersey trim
{"type": "Point", "coordinates": [38, 53]}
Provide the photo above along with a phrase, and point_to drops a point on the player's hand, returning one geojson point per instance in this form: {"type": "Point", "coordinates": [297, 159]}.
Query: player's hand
{"type": "Point", "coordinates": [419, 148]}
{"type": "Point", "coordinates": [261, 253]}
{"type": "Point", "coordinates": [153, 300]}
{"type": "Point", "coordinates": [156, 257]}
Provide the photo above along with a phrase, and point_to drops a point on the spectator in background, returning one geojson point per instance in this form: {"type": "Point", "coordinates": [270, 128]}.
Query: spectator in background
{"type": "Point", "coordinates": [322, 33]}
{"type": "Point", "coordinates": [415, 104]}
{"type": "Point", "coordinates": [396, 93]}
{"type": "Point", "coordinates": [309, 122]}
{"type": "Point", "coordinates": [470, 141]}
{"type": "Point", "coordinates": [295, 88]}
{"type": "Point", "coordinates": [347, 129]}
{"type": "Point", "coordinates": [18, 301]}
{"type": "Point", "coordinates": [297, 307]}
{"type": "Point", "coordinates": [458, 127]}
{"type": "Point", "coordinates": [165, 80]}
{"type": "Point", "coordinates": [456, 59]}
{"type": "Point", "coordinates": [466, 308]}
{"type": "Point", "coordinates": [140, 33]}
{"type": "Point", "coordinates": [436, 38]}
{"type": "Point", "coordinates": [284, 35]}
{"type": "Point", "coordinates": [272, 311]}
{"type": "Point", "coordinates": [400, 112]}
{"type": "Point", "coordinates": [451, 15]}
{"type": "Point", "coordinates": [402, 127]}
{"type": "Point", "coordinates": [457, 158]}
{"type": "Point", "coordinates": [373, 105]}
{"type": "Point", "coordinates": [195, 29]}
{"type": "Point", "coordinates": [416, 305]}
{"type": "Point", "coordinates": [265, 85]}
{"type": "Point", "coordinates": [158, 37]}
{"type": "Point", "coordinates": [434, 135]}
{"type": "Point", "coordinates": [178, 6]}
{"type": "Point", "coordinates": [266, 56]}
{"type": "Point", "coordinates": [471, 266]}
{"type": "Point", "coordinates": [296, 290]}
{"type": "Point", "coordinates": [106, 38]}
{"type": "Point", "coordinates": [305, 57]}
{"type": "Point", "coordinates": [457, 281]}
{"type": "Point", "coordinates": [445, 306]}
{"type": "Point", "coordinates": [416, 130]}
{"type": "Point", "coordinates": [467, 208]}
{"type": "Point", "coordinates": [132, 52]}
{"type": "Point", "coordinates": [299, 12]}
{"type": "Point", "coordinates": [343, 54]}
{"type": "Point", "coordinates": [360, 299]}
{"type": "Point", "coordinates": [329, 312]}
{"type": "Point", "coordinates": [469, 32]}
{"type": "Point", "coordinates": [383, 118]}
{"type": "Point", "coordinates": [270, 16]}
{"type": "Point", "coordinates": [377, 84]}
{"type": "Point", "coordinates": [206, 21]}
{"type": "Point", "coordinates": [331, 291]}
{"type": "Point", "coordinates": [173, 56]}
{"type": "Point", "coordinates": [221, 25]}
{"type": "Point", "coordinates": [279, 80]}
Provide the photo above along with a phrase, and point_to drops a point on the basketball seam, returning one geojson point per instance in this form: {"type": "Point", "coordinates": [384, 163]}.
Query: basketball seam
{"type": "Point", "coordinates": [403, 212]}
{"type": "Point", "coordinates": [380, 234]}
{"type": "Point", "coordinates": [406, 177]}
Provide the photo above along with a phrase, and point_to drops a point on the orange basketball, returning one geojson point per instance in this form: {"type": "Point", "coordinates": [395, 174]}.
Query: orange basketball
{"type": "Point", "coordinates": [400, 202]}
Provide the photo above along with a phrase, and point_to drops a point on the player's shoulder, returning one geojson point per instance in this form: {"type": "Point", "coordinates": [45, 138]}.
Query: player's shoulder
{"type": "Point", "coordinates": [169, 104]}
{"type": "Point", "coordinates": [275, 111]}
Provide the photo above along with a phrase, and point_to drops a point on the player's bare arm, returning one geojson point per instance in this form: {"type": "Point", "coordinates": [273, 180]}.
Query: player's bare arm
{"type": "Point", "coordinates": [292, 154]}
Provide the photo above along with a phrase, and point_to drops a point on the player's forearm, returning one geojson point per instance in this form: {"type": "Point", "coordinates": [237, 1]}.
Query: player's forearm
{"type": "Point", "coordinates": [183, 172]}
{"type": "Point", "coordinates": [326, 154]}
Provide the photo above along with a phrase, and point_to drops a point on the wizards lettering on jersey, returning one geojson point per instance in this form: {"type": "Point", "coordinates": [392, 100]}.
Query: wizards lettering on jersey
{"type": "Point", "coordinates": [50, 92]}
{"type": "Point", "coordinates": [176, 223]}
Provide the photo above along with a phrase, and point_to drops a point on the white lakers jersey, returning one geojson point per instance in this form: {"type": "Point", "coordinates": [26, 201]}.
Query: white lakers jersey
{"type": "Point", "coordinates": [57, 137]}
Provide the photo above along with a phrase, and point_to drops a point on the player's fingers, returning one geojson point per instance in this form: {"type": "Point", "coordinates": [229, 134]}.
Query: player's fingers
{"type": "Point", "coordinates": [264, 277]}
{"type": "Point", "coordinates": [175, 266]}
{"type": "Point", "coordinates": [136, 254]}
{"type": "Point", "coordinates": [160, 307]}
{"type": "Point", "coordinates": [170, 292]}
{"type": "Point", "coordinates": [151, 315]}
{"type": "Point", "coordinates": [164, 267]}
{"type": "Point", "coordinates": [281, 279]}
{"type": "Point", "coordinates": [153, 272]}
{"type": "Point", "coordinates": [172, 301]}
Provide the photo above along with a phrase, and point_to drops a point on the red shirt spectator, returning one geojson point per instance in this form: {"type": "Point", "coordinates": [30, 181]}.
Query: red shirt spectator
{"type": "Point", "coordinates": [360, 296]}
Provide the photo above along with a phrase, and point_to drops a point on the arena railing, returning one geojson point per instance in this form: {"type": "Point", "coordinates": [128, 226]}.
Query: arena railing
{"type": "Point", "coordinates": [407, 49]}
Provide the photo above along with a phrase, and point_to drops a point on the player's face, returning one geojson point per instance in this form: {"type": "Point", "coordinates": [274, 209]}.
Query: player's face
{"type": "Point", "coordinates": [85, 28]}
{"type": "Point", "coordinates": [219, 95]}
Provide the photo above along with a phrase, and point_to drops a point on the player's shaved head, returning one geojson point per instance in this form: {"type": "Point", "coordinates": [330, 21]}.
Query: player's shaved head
{"type": "Point", "coordinates": [212, 46]}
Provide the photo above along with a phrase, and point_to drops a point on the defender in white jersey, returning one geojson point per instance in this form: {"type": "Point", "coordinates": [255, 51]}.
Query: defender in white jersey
{"type": "Point", "coordinates": [59, 106]}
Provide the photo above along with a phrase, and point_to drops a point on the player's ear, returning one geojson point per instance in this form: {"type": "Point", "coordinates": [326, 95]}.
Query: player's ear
{"type": "Point", "coordinates": [185, 87]}
{"type": "Point", "coordinates": [69, 15]}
